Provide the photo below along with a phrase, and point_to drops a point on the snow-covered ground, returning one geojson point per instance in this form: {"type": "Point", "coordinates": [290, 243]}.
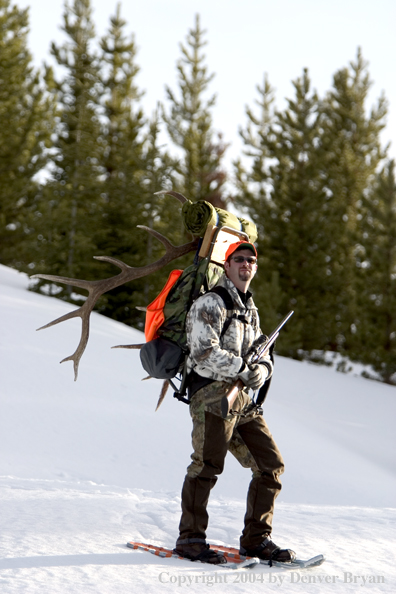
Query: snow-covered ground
{"type": "Point", "coordinates": [86, 466]}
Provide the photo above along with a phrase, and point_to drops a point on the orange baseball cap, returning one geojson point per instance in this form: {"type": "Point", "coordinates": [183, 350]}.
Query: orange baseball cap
{"type": "Point", "coordinates": [240, 245]}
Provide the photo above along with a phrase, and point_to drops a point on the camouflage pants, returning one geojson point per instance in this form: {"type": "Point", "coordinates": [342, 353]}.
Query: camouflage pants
{"type": "Point", "coordinates": [250, 441]}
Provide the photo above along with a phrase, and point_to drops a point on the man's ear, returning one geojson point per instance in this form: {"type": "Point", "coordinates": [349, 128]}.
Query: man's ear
{"type": "Point", "coordinates": [226, 265]}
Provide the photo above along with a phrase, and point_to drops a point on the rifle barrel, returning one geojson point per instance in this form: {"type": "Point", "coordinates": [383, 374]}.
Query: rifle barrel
{"type": "Point", "coordinates": [228, 400]}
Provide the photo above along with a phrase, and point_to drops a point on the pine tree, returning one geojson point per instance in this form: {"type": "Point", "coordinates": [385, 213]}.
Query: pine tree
{"type": "Point", "coordinates": [253, 184]}
{"type": "Point", "coordinates": [122, 148]}
{"type": "Point", "coordinates": [375, 339]}
{"type": "Point", "coordinates": [134, 170]}
{"type": "Point", "coordinates": [313, 164]}
{"type": "Point", "coordinates": [351, 153]}
{"type": "Point", "coordinates": [26, 121]}
{"type": "Point", "coordinates": [71, 205]}
{"type": "Point", "coordinates": [121, 133]}
{"type": "Point", "coordinates": [284, 194]}
{"type": "Point", "coordinates": [297, 232]}
{"type": "Point", "coordinates": [189, 124]}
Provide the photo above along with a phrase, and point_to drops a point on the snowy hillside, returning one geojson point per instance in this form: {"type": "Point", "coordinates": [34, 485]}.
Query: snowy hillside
{"type": "Point", "coordinates": [86, 466]}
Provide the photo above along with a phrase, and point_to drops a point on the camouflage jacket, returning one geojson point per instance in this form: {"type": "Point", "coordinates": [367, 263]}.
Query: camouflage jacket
{"type": "Point", "coordinates": [212, 355]}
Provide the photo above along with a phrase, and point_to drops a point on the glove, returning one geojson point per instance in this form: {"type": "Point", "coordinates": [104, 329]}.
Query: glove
{"type": "Point", "coordinates": [254, 376]}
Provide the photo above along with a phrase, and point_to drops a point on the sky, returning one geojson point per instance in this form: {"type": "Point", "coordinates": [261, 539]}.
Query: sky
{"type": "Point", "coordinates": [245, 40]}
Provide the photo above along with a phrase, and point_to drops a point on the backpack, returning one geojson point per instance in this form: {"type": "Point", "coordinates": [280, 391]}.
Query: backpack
{"type": "Point", "coordinates": [164, 354]}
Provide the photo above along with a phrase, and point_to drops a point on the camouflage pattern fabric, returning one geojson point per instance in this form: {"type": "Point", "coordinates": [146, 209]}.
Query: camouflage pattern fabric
{"type": "Point", "coordinates": [208, 400]}
{"type": "Point", "coordinates": [187, 288]}
{"type": "Point", "coordinates": [250, 441]}
{"type": "Point", "coordinates": [215, 356]}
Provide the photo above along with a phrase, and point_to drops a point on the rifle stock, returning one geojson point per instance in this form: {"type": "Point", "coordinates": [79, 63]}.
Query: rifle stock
{"type": "Point", "coordinates": [229, 399]}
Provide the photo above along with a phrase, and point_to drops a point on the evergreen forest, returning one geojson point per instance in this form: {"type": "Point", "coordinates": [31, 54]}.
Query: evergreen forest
{"type": "Point", "coordinates": [81, 163]}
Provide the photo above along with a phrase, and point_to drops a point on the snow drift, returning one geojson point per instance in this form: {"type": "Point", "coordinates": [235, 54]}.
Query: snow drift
{"type": "Point", "coordinates": [87, 465]}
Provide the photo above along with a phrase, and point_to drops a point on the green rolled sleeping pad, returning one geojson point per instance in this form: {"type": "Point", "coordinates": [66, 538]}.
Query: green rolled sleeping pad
{"type": "Point", "coordinates": [198, 215]}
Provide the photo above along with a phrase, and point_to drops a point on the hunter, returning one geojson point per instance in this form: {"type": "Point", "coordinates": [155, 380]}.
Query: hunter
{"type": "Point", "coordinates": [217, 361]}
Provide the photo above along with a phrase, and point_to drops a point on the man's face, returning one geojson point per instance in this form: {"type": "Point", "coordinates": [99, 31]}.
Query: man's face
{"type": "Point", "coordinates": [241, 271]}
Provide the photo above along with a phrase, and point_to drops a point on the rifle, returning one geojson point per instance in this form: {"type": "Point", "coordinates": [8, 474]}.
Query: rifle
{"type": "Point", "coordinates": [228, 400]}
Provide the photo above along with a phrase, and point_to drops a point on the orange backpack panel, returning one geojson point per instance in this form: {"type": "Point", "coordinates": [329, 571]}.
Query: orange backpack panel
{"type": "Point", "coordinates": [155, 311]}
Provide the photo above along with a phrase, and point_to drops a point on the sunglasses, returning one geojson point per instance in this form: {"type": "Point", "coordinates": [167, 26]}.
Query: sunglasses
{"type": "Point", "coordinates": [240, 259]}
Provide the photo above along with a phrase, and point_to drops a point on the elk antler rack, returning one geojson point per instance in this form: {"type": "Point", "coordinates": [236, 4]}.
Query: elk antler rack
{"type": "Point", "coordinates": [97, 288]}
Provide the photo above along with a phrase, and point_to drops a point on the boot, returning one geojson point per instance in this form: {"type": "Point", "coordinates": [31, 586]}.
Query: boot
{"type": "Point", "coordinates": [269, 551]}
{"type": "Point", "coordinates": [197, 550]}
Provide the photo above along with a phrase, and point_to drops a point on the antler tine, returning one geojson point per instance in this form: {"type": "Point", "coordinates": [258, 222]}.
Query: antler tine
{"type": "Point", "coordinates": [128, 346]}
{"type": "Point", "coordinates": [75, 282]}
{"type": "Point", "coordinates": [176, 195]}
{"type": "Point", "coordinates": [114, 261]}
{"type": "Point", "coordinates": [69, 316]}
{"type": "Point", "coordinates": [83, 312]}
{"type": "Point", "coordinates": [78, 353]}
{"type": "Point", "coordinates": [162, 395]}
{"type": "Point", "coordinates": [97, 288]}
{"type": "Point", "coordinates": [158, 235]}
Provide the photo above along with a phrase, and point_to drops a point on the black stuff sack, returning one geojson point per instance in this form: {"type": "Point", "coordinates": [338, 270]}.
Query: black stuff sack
{"type": "Point", "coordinates": [161, 358]}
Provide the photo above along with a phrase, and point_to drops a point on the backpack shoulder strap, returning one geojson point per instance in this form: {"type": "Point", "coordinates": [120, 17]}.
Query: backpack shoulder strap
{"type": "Point", "coordinates": [226, 297]}
{"type": "Point", "coordinates": [229, 304]}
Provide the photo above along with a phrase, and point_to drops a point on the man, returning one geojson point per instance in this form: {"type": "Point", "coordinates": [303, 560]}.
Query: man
{"type": "Point", "coordinates": [219, 340]}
